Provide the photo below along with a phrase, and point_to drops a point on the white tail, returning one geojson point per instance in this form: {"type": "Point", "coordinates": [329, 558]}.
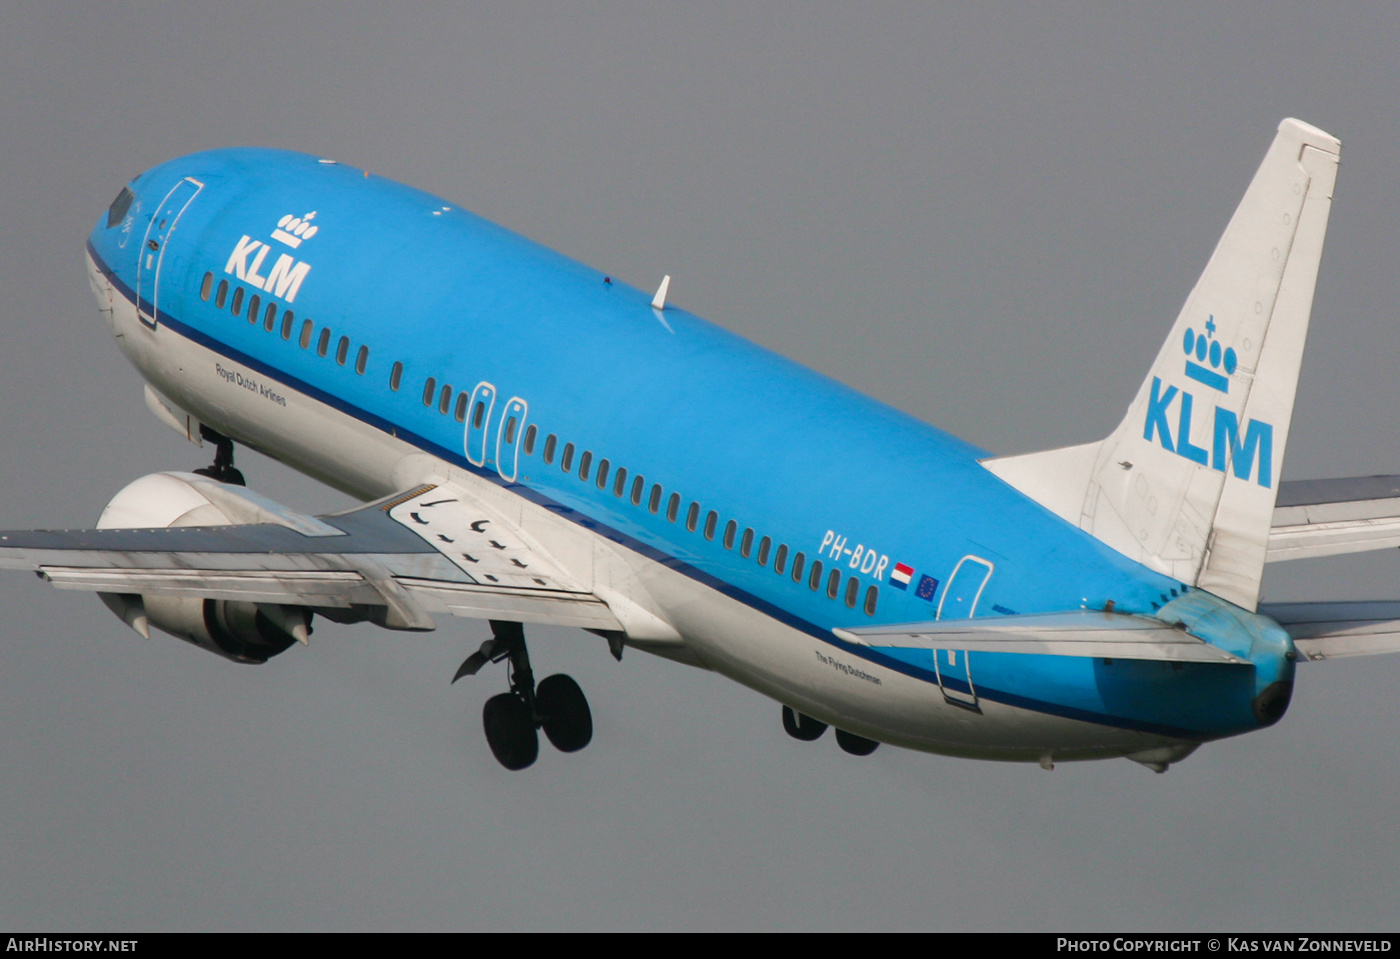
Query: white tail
{"type": "Point", "coordinates": [1186, 483]}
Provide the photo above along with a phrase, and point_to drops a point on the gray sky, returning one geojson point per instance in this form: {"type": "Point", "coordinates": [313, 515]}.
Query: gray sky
{"type": "Point", "coordinates": [987, 217]}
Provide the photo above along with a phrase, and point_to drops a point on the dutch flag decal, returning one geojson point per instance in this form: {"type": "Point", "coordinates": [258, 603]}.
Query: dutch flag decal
{"type": "Point", "coordinates": [901, 576]}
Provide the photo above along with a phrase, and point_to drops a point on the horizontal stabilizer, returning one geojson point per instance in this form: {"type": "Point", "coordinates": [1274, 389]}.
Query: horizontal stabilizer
{"type": "Point", "coordinates": [1090, 633]}
{"type": "Point", "coordinates": [1334, 630]}
{"type": "Point", "coordinates": [1330, 517]}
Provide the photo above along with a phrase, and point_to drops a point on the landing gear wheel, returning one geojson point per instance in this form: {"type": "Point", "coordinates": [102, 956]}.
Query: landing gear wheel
{"type": "Point", "coordinates": [802, 727]}
{"type": "Point", "coordinates": [564, 713]}
{"type": "Point", "coordinates": [510, 731]}
{"type": "Point", "coordinates": [855, 745]}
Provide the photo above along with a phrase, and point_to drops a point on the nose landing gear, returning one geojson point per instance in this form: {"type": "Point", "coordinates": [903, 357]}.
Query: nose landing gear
{"type": "Point", "coordinates": [512, 720]}
{"type": "Point", "coordinates": [223, 469]}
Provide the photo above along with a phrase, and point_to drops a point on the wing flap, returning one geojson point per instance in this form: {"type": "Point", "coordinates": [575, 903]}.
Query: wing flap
{"type": "Point", "coordinates": [1085, 633]}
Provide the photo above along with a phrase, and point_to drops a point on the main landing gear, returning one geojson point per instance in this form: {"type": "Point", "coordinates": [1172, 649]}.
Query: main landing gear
{"type": "Point", "coordinates": [512, 720]}
{"type": "Point", "coordinates": [223, 469]}
{"type": "Point", "coordinates": [808, 729]}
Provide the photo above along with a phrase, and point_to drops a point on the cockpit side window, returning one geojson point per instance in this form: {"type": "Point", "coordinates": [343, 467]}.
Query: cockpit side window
{"type": "Point", "coordinates": [117, 211]}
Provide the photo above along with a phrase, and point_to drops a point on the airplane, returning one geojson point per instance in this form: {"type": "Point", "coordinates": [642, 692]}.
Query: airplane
{"type": "Point", "coordinates": [533, 442]}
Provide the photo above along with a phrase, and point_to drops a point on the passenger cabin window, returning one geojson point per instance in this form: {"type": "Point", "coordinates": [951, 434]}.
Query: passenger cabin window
{"type": "Point", "coordinates": [236, 307]}
{"type": "Point", "coordinates": [814, 576]}
{"type": "Point", "coordinates": [342, 351]}
{"type": "Point", "coordinates": [833, 584]}
{"type": "Point", "coordinates": [746, 544]}
{"type": "Point", "coordinates": [288, 321]}
{"type": "Point", "coordinates": [797, 561]}
{"type": "Point", "coordinates": [395, 376]}
{"type": "Point", "coordinates": [871, 595]}
{"type": "Point", "coordinates": [637, 484]}
{"type": "Point", "coordinates": [763, 546]}
{"type": "Point", "coordinates": [692, 517]}
{"type": "Point", "coordinates": [550, 442]}
{"type": "Point", "coordinates": [222, 296]}
{"type": "Point", "coordinates": [253, 306]}
{"type": "Point", "coordinates": [324, 343]}
{"type": "Point", "coordinates": [673, 506]}
{"type": "Point", "coordinates": [462, 400]}
{"type": "Point", "coordinates": [270, 317]}
{"type": "Point", "coordinates": [584, 462]}
{"type": "Point", "coordinates": [566, 461]}
{"type": "Point", "coordinates": [620, 481]}
{"type": "Point", "coordinates": [780, 560]}
{"type": "Point", "coordinates": [729, 530]}
{"type": "Point", "coordinates": [654, 501]}
{"type": "Point", "coordinates": [478, 414]}
{"type": "Point", "coordinates": [710, 521]}
{"type": "Point", "coordinates": [530, 435]}
{"type": "Point", "coordinates": [852, 591]}
{"type": "Point", "coordinates": [361, 358]}
{"type": "Point", "coordinates": [429, 390]}
{"type": "Point", "coordinates": [307, 328]}
{"type": "Point", "coordinates": [206, 287]}
{"type": "Point", "coordinates": [445, 399]}
{"type": "Point", "coordinates": [602, 473]}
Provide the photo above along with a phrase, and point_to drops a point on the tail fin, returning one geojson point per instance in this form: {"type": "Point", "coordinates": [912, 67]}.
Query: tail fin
{"type": "Point", "coordinates": [1186, 483]}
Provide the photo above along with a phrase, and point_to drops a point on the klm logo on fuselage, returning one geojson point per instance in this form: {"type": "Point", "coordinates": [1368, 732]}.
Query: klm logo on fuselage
{"type": "Point", "coordinates": [285, 276]}
{"type": "Point", "coordinates": [1212, 367]}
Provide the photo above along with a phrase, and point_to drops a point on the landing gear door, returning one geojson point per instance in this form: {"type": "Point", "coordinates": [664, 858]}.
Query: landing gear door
{"type": "Point", "coordinates": [959, 601]}
{"type": "Point", "coordinates": [158, 233]}
{"type": "Point", "coordinates": [478, 422]}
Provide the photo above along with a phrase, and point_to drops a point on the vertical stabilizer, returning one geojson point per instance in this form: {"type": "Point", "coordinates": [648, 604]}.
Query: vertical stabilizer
{"type": "Point", "coordinates": [1186, 483]}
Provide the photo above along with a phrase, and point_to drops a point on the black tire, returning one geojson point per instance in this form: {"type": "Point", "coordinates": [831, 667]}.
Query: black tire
{"type": "Point", "coordinates": [802, 727]}
{"type": "Point", "coordinates": [855, 745]}
{"type": "Point", "coordinates": [510, 731]}
{"type": "Point", "coordinates": [564, 713]}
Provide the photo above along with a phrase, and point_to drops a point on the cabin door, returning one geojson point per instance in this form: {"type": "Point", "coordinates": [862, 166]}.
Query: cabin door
{"type": "Point", "coordinates": [959, 601]}
{"type": "Point", "coordinates": [158, 233]}
{"type": "Point", "coordinates": [478, 422]}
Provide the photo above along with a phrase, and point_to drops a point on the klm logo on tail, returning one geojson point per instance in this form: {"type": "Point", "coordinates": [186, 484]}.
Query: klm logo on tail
{"type": "Point", "coordinates": [1226, 446]}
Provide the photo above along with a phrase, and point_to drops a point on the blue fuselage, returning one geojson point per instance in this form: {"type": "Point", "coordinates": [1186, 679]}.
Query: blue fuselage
{"type": "Point", "coordinates": [406, 314]}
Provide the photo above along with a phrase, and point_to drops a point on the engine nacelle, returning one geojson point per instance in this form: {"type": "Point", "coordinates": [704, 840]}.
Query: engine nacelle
{"type": "Point", "coordinates": [240, 631]}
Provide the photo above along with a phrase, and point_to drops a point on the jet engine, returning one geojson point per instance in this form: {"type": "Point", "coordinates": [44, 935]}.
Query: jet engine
{"type": "Point", "coordinates": [240, 631]}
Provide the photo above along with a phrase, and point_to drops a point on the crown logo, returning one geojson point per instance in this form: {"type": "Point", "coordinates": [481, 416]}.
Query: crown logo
{"type": "Point", "coordinates": [1206, 349]}
{"type": "Point", "coordinates": [291, 230]}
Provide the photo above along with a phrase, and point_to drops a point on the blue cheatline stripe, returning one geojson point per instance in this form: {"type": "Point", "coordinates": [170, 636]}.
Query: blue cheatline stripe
{"type": "Point", "coordinates": [615, 535]}
{"type": "Point", "coordinates": [1209, 377]}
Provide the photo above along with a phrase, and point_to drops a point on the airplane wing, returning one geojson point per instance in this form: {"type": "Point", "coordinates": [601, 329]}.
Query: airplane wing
{"type": "Point", "coordinates": [432, 549]}
{"type": "Point", "coordinates": [1329, 517]}
{"type": "Point", "coordinates": [1091, 633]}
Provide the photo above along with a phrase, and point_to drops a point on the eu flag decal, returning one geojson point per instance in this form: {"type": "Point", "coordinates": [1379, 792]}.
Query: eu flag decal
{"type": "Point", "coordinates": [927, 587]}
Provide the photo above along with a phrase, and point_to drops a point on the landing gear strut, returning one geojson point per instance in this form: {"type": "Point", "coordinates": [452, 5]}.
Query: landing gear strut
{"type": "Point", "coordinates": [223, 469]}
{"type": "Point", "coordinates": [512, 720]}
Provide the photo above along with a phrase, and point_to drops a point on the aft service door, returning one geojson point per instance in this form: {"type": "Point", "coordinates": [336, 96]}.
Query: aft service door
{"type": "Point", "coordinates": [158, 234]}
{"type": "Point", "coordinates": [960, 598]}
